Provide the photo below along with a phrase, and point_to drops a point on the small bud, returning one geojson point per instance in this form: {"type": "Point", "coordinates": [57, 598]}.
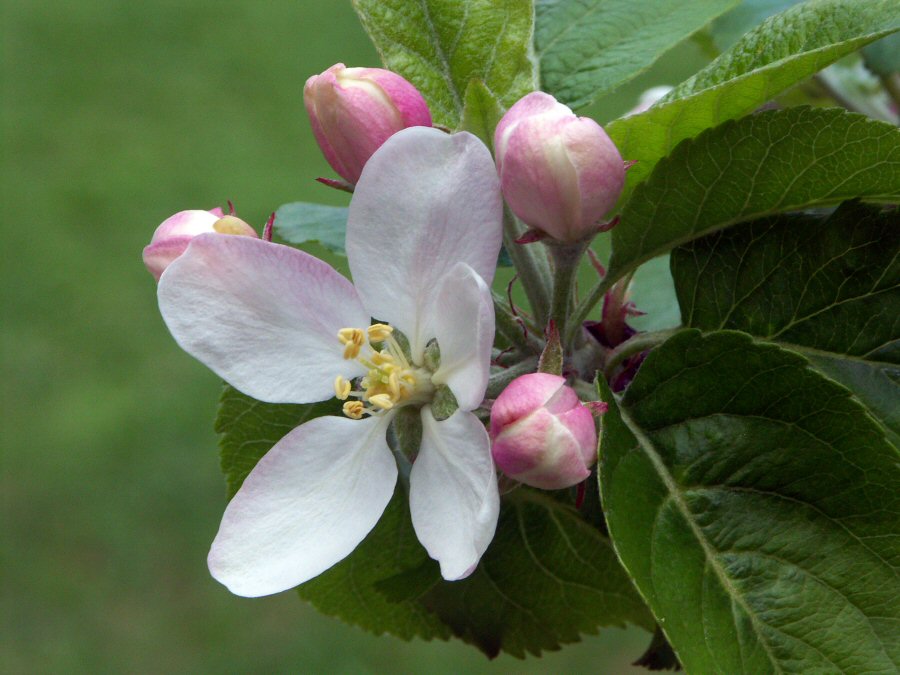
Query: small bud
{"type": "Point", "coordinates": [542, 434]}
{"type": "Point", "coordinates": [174, 234]}
{"type": "Point", "coordinates": [559, 173]}
{"type": "Point", "coordinates": [354, 110]}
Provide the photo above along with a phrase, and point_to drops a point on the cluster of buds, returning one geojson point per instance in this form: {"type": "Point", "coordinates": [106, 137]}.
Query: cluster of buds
{"type": "Point", "coordinates": [559, 173]}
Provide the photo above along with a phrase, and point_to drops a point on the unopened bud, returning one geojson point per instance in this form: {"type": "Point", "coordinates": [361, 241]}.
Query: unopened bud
{"type": "Point", "coordinates": [354, 110]}
{"type": "Point", "coordinates": [174, 234]}
{"type": "Point", "coordinates": [559, 173]}
{"type": "Point", "coordinates": [542, 435]}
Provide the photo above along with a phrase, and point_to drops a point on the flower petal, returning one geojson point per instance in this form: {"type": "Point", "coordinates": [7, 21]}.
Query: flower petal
{"type": "Point", "coordinates": [453, 496]}
{"type": "Point", "coordinates": [463, 320]}
{"type": "Point", "coordinates": [305, 506]}
{"type": "Point", "coordinates": [262, 316]}
{"type": "Point", "coordinates": [425, 201]}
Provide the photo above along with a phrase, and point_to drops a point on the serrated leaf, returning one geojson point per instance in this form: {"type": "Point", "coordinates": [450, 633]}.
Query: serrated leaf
{"type": "Point", "coordinates": [783, 51]}
{"type": "Point", "coordinates": [305, 222]}
{"type": "Point", "coordinates": [441, 45]}
{"type": "Point", "coordinates": [249, 428]}
{"type": "Point", "coordinates": [757, 507]}
{"type": "Point", "coordinates": [547, 578]}
{"type": "Point", "coordinates": [826, 287]}
{"type": "Point", "coordinates": [774, 161]}
{"type": "Point", "coordinates": [587, 48]}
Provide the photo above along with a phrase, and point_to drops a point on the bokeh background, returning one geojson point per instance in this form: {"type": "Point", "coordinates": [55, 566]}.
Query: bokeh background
{"type": "Point", "coordinates": [116, 114]}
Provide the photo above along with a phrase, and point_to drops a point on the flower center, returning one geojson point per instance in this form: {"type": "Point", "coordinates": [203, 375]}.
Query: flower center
{"type": "Point", "coordinates": [391, 381]}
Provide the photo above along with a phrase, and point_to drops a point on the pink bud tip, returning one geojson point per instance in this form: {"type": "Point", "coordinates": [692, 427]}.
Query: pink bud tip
{"type": "Point", "coordinates": [559, 173]}
{"type": "Point", "coordinates": [354, 110]}
{"type": "Point", "coordinates": [175, 233]}
{"type": "Point", "coordinates": [541, 433]}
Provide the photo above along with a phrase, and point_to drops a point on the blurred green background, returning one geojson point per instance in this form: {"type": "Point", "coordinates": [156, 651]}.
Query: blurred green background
{"type": "Point", "coordinates": [116, 114]}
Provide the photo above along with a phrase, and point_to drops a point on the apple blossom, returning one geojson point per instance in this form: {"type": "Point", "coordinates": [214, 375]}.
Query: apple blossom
{"type": "Point", "coordinates": [354, 110]}
{"type": "Point", "coordinates": [542, 434]}
{"type": "Point", "coordinates": [559, 173]}
{"type": "Point", "coordinates": [423, 236]}
{"type": "Point", "coordinates": [174, 234]}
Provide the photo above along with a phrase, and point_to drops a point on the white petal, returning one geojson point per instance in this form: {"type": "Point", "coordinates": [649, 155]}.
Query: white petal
{"type": "Point", "coordinates": [426, 201]}
{"type": "Point", "coordinates": [463, 320]}
{"type": "Point", "coordinates": [305, 506]}
{"type": "Point", "coordinates": [262, 316]}
{"type": "Point", "coordinates": [453, 496]}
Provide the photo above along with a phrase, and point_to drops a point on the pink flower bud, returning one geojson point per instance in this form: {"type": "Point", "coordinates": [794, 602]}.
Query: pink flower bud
{"type": "Point", "coordinates": [174, 234]}
{"type": "Point", "coordinates": [559, 173]}
{"type": "Point", "coordinates": [542, 434]}
{"type": "Point", "coordinates": [354, 110]}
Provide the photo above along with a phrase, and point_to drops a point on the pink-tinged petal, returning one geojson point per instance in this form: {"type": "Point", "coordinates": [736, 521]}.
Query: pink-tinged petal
{"type": "Point", "coordinates": [185, 223]}
{"type": "Point", "coordinates": [262, 316]}
{"type": "Point", "coordinates": [463, 320]}
{"type": "Point", "coordinates": [405, 97]}
{"type": "Point", "coordinates": [425, 202]}
{"type": "Point", "coordinates": [305, 506]}
{"type": "Point", "coordinates": [453, 496]}
{"type": "Point", "coordinates": [523, 395]}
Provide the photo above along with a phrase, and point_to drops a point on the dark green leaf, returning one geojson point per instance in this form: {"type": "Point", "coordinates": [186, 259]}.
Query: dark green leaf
{"type": "Point", "coordinates": [441, 45]}
{"type": "Point", "coordinates": [826, 287]}
{"type": "Point", "coordinates": [783, 51]}
{"type": "Point", "coordinates": [757, 507]}
{"type": "Point", "coordinates": [547, 578]}
{"type": "Point", "coordinates": [586, 48]}
{"type": "Point", "coordinates": [249, 428]}
{"type": "Point", "coordinates": [304, 222]}
{"type": "Point", "coordinates": [773, 161]}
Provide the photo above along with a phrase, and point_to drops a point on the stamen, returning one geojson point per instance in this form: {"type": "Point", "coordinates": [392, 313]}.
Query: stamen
{"type": "Point", "coordinates": [354, 409]}
{"type": "Point", "coordinates": [379, 332]}
{"type": "Point", "coordinates": [383, 401]}
{"type": "Point", "coordinates": [341, 388]}
{"type": "Point", "coordinates": [353, 339]}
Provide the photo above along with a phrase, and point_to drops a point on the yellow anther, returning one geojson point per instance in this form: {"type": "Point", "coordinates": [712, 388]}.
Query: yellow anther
{"type": "Point", "coordinates": [383, 401]}
{"type": "Point", "coordinates": [354, 409]}
{"type": "Point", "coordinates": [351, 351]}
{"type": "Point", "coordinates": [351, 335]}
{"type": "Point", "coordinates": [394, 384]}
{"type": "Point", "coordinates": [380, 332]}
{"type": "Point", "coordinates": [341, 388]}
{"type": "Point", "coordinates": [381, 358]}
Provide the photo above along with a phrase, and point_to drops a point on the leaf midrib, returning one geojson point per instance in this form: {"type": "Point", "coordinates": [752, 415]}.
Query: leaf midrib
{"type": "Point", "coordinates": [709, 553]}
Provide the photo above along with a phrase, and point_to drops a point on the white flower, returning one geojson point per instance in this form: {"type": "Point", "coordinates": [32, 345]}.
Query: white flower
{"type": "Point", "coordinates": [282, 326]}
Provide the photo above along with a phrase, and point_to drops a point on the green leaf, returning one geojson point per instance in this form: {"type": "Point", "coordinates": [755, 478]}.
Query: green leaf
{"type": "Point", "coordinates": [783, 51]}
{"type": "Point", "coordinates": [547, 578]}
{"type": "Point", "coordinates": [757, 507]}
{"type": "Point", "coordinates": [440, 45]}
{"type": "Point", "coordinates": [727, 29]}
{"type": "Point", "coordinates": [587, 48]}
{"type": "Point", "coordinates": [653, 292]}
{"type": "Point", "coordinates": [249, 428]}
{"type": "Point", "coordinates": [828, 288]}
{"type": "Point", "coordinates": [774, 161]}
{"type": "Point", "coordinates": [481, 112]}
{"type": "Point", "coordinates": [304, 222]}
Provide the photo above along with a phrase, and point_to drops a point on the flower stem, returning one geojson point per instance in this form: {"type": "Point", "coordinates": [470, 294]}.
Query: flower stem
{"type": "Point", "coordinates": [511, 329]}
{"type": "Point", "coordinates": [565, 269]}
{"type": "Point", "coordinates": [531, 266]}
{"type": "Point", "coordinates": [585, 306]}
